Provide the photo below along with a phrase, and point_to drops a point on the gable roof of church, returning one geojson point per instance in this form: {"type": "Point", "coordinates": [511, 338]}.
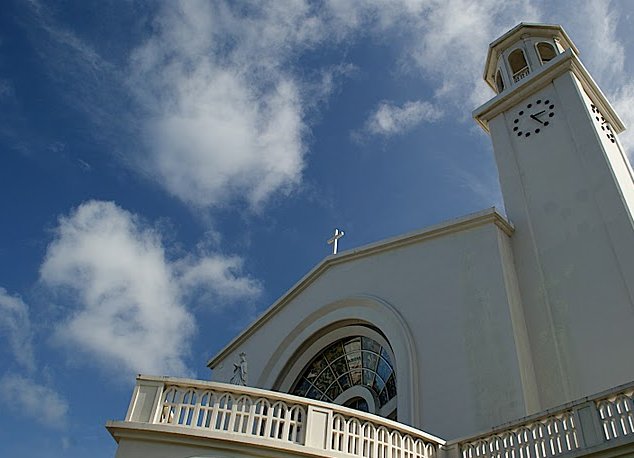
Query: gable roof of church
{"type": "Point", "coordinates": [488, 216]}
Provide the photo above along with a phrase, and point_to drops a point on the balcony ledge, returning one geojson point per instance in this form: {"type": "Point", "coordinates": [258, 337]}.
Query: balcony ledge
{"type": "Point", "coordinates": [206, 416]}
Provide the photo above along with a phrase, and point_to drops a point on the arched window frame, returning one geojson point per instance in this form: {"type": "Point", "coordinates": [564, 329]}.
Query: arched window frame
{"type": "Point", "coordinates": [326, 337]}
{"type": "Point", "coordinates": [380, 394]}
{"type": "Point", "coordinates": [499, 80]}
{"type": "Point", "coordinates": [539, 54]}
{"type": "Point", "coordinates": [358, 391]}
{"type": "Point", "coordinates": [521, 73]}
{"type": "Point", "coordinates": [370, 312]}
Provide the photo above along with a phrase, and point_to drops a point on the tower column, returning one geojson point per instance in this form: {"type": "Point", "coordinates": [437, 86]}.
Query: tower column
{"type": "Point", "coordinates": [568, 190]}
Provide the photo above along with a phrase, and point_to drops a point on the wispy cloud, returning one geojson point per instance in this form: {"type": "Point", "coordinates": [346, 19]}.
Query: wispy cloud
{"type": "Point", "coordinates": [450, 40]}
{"type": "Point", "coordinates": [30, 399]}
{"type": "Point", "coordinates": [389, 119]}
{"type": "Point", "coordinates": [16, 327]}
{"type": "Point", "coordinates": [623, 98]}
{"type": "Point", "coordinates": [217, 107]}
{"type": "Point", "coordinates": [445, 42]}
{"type": "Point", "coordinates": [20, 393]}
{"type": "Point", "coordinates": [594, 26]}
{"type": "Point", "coordinates": [6, 88]}
{"type": "Point", "coordinates": [220, 112]}
{"type": "Point", "coordinates": [128, 298]}
{"type": "Point", "coordinates": [217, 278]}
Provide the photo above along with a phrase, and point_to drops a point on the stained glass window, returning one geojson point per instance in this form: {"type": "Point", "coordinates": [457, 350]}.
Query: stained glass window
{"type": "Point", "coordinates": [359, 404]}
{"type": "Point", "coordinates": [345, 363]}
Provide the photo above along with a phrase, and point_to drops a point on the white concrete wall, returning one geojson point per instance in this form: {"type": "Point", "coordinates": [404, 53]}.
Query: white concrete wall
{"type": "Point", "coordinates": [164, 447]}
{"type": "Point", "coordinates": [450, 294]}
{"type": "Point", "coordinates": [566, 191]}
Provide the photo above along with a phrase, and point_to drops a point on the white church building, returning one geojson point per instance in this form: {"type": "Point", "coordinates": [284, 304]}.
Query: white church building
{"type": "Point", "coordinates": [486, 336]}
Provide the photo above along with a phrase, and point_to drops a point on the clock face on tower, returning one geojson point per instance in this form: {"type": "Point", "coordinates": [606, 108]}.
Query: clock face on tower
{"type": "Point", "coordinates": [533, 117]}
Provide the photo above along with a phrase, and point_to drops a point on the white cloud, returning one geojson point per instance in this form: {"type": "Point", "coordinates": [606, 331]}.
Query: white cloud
{"type": "Point", "coordinates": [16, 326]}
{"type": "Point", "coordinates": [624, 105]}
{"type": "Point", "coordinates": [28, 398]}
{"type": "Point", "coordinates": [223, 105]}
{"type": "Point", "coordinates": [129, 308]}
{"type": "Point", "coordinates": [450, 42]}
{"type": "Point", "coordinates": [225, 122]}
{"type": "Point", "coordinates": [218, 277]}
{"type": "Point", "coordinates": [17, 392]}
{"type": "Point", "coordinates": [594, 27]}
{"type": "Point", "coordinates": [390, 119]}
{"type": "Point", "coordinates": [222, 108]}
{"type": "Point", "coordinates": [226, 112]}
{"type": "Point", "coordinates": [443, 40]}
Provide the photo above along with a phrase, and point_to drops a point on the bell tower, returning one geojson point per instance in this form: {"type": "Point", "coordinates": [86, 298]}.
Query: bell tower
{"type": "Point", "coordinates": [568, 189]}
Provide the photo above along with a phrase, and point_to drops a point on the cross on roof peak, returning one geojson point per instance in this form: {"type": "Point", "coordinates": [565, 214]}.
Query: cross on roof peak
{"type": "Point", "coordinates": [334, 240]}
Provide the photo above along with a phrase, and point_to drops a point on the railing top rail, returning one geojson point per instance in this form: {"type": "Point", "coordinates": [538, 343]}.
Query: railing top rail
{"type": "Point", "coordinates": [290, 399]}
{"type": "Point", "coordinates": [553, 411]}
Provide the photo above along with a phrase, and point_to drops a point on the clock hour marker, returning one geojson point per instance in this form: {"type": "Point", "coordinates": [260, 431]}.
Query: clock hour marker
{"type": "Point", "coordinates": [536, 116]}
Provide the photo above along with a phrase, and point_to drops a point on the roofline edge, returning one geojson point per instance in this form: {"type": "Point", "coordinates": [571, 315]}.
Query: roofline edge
{"type": "Point", "coordinates": [489, 215]}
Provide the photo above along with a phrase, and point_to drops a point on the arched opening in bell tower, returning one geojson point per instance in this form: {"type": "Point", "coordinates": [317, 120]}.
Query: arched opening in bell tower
{"type": "Point", "coordinates": [545, 51]}
{"type": "Point", "coordinates": [519, 65]}
{"type": "Point", "coordinates": [499, 82]}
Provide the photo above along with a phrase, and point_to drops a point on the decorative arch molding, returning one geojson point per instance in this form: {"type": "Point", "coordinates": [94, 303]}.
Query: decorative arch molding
{"type": "Point", "coordinates": [358, 391]}
{"type": "Point", "coordinates": [370, 314]}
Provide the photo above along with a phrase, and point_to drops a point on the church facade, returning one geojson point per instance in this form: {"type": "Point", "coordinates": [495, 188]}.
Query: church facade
{"type": "Point", "coordinates": [483, 336]}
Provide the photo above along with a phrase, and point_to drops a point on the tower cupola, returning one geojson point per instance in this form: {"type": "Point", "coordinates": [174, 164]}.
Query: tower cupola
{"type": "Point", "coordinates": [523, 50]}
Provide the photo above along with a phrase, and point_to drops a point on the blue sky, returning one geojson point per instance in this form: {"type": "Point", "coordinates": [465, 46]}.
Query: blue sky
{"type": "Point", "coordinates": [169, 169]}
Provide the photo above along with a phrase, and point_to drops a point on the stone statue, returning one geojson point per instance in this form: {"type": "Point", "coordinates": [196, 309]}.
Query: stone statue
{"type": "Point", "coordinates": [240, 371]}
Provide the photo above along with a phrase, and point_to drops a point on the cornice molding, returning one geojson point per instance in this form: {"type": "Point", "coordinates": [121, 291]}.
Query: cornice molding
{"type": "Point", "coordinates": [564, 62]}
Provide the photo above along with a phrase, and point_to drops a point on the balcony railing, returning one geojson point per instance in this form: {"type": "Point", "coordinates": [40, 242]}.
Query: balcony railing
{"type": "Point", "coordinates": [521, 74]}
{"type": "Point", "coordinates": [578, 428]}
{"type": "Point", "coordinates": [300, 426]}
{"type": "Point", "coordinates": [271, 419]}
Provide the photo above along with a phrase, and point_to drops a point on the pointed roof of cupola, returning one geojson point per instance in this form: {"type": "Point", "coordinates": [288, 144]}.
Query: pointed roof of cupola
{"type": "Point", "coordinates": [522, 30]}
